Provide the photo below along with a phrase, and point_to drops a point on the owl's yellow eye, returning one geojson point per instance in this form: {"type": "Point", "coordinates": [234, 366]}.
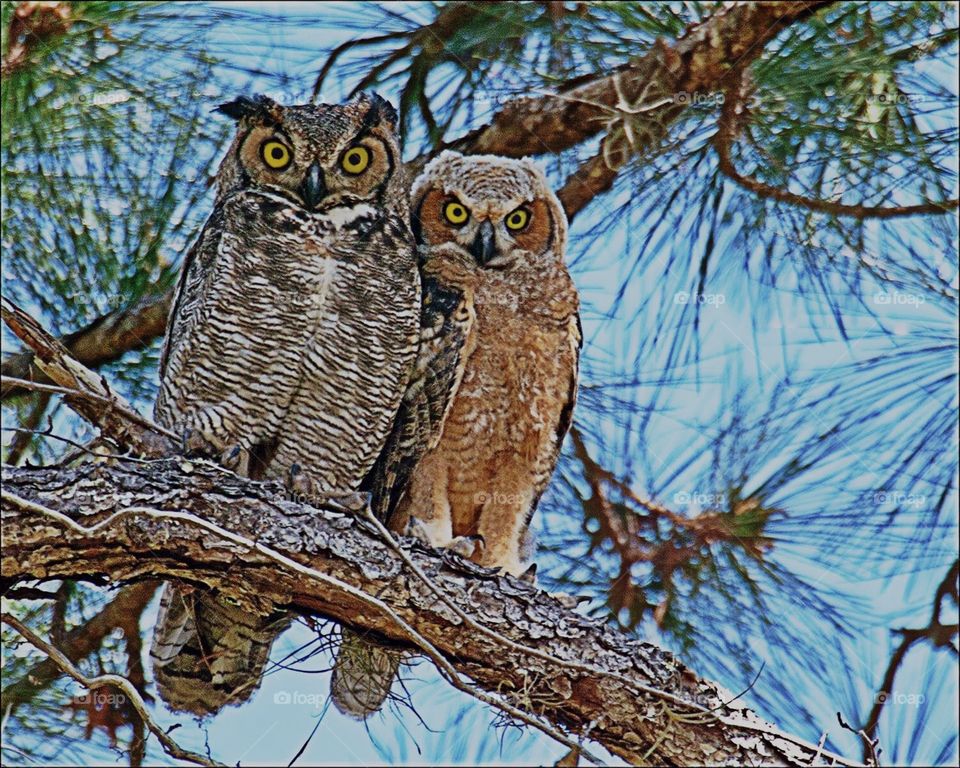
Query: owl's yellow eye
{"type": "Point", "coordinates": [355, 160]}
{"type": "Point", "coordinates": [455, 213]}
{"type": "Point", "coordinates": [518, 219]}
{"type": "Point", "coordinates": [275, 154]}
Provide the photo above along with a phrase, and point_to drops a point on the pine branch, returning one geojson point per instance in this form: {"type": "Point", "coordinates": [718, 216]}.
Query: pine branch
{"type": "Point", "coordinates": [50, 514]}
{"type": "Point", "coordinates": [696, 63]}
{"type": "Point", "coordinates": [731, 117]}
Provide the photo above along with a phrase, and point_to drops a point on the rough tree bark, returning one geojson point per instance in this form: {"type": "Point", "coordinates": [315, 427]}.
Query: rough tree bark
{"type": "Point", "coordinates": [622, 712]}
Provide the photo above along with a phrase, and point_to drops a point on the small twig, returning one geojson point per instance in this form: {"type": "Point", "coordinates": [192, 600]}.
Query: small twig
{"type": "Point", "coordinates": [29, 593]}
{"type": "Point", "coordinates": [115, 406]}
{"type": "Point", "coordinates": [136, 700]}
{"type": "Point", "coordinates": [23, 436]}
{"type": "Point", "coordinates": [79, 446]}
{"type": "Point", "coordinates": [870, 745]}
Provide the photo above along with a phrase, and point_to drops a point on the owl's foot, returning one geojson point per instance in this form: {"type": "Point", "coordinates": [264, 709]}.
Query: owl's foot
{"type": "Point", "coordinates": [464, 546]}
{"type": "Point", "coordinates": [235, 458]}
{"type": "Point", "coordinates": [304, 489]}
{"type": "Point", "coordinates": [194, 443]}
{"type": "Point", "coordinates": [467, 546]}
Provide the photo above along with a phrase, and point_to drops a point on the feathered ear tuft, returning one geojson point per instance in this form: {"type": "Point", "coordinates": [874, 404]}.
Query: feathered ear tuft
{"type": "Point", "coordinates": [380, 110]}
{"type": "Point", "coordinates": [260, 108]}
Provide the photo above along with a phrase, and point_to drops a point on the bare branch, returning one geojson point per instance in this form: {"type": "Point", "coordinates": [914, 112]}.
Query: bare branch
{"type": "Point", "coordinates": [104, 340]}
{"type": "Point", "coordinates": [938, 634]}
{"type": "Point", "coordinates": [114, 681]}
{"type": "Point", "coordinates": [80, 642]}
{"type": "Point", "coordinates": [86, 392]}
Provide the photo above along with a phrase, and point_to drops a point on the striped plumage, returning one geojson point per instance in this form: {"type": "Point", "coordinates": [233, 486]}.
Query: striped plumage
{"type": "Point", "coordinates": [291, 340]}
{"type": "Point", "coordinates": [501, 367]}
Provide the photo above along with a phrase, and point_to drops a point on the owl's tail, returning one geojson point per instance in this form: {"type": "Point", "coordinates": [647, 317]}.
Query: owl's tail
{"type": "Point", "coordinates": [363, 674]}
{"type": "Point", "coordinates": [207, 652]}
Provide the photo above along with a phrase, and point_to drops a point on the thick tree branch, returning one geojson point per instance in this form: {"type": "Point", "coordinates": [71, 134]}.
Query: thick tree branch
{"type": "Point", "coordinates": [636, 105]}
{"type": "Point", "coordinates": [696, 63]}
{"type": "Point", "coordinates": [141, 544]}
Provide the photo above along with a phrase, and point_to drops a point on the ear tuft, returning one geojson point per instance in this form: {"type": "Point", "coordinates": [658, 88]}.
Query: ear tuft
{"type": "Point", "coordinates": [260, 108]}
{"type": "Point", "coordinates": [380, 110]}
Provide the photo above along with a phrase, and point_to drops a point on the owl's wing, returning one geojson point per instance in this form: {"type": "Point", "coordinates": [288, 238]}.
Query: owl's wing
{"type": "Point", "coordinates": [445, 336]}
{"type": "Point", "coordinates": [566, 415]}
{"type": "Point", "coordinates": [192, 288]}
{"type": "Point", "coordinates": [566, 412]}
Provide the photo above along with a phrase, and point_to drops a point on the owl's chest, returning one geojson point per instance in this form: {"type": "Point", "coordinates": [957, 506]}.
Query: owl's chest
{"type": "Point", "coordinates": [511, 388]}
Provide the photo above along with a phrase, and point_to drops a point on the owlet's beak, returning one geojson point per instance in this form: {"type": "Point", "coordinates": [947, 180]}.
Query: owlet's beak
{"type": "Point", "coordinates": [314, 188]}
{"type": "Point", "coordinates": [484, 245]}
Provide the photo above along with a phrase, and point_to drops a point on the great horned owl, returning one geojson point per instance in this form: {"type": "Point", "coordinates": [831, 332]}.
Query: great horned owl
{"type": "Point", "coordinates": [479, 432]}
{"type": "Point", "coordinates": [290, 343]}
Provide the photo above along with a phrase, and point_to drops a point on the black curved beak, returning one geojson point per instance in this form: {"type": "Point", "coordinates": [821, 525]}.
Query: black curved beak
{"type": "Point", "coordinates": [314, 188]}
{"type": "Point", "coordinates": [484, 245]}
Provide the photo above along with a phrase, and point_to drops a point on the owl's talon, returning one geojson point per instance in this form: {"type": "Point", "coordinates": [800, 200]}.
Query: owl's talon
{"type": "Point", "coordinates": [236, 459]}
{"type": "Point", "coordinates": [356, 501]}
{"type": "Point", "coordinates": [193, 443]}
{"type": "Point", "coordinates": [530, 575]}
{"type": "Point", "coordinates": [415, 529]}
{"type": "Point", "coordinates": [467, 546]}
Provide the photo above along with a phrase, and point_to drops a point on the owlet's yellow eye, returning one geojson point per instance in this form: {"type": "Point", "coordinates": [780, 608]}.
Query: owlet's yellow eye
{"type": "Point", "coordinates": [275, 154]}
{"type": "Point", "coordinates": [455, 213]}
{"type": "Point", "coordinates": [355, 160]}
{"type": "Point", "coordinates": [518, 219]}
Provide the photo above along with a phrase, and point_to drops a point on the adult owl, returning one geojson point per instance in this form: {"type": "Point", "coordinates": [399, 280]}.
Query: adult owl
{"type": "Point", "coordinates": [479, 431]}
{"type": "Point", "coordinates": [290, 343]}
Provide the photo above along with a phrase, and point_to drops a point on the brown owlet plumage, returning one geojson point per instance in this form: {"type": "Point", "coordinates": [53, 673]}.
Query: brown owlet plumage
{"type": "Point", "coordinates": [491, 399]}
